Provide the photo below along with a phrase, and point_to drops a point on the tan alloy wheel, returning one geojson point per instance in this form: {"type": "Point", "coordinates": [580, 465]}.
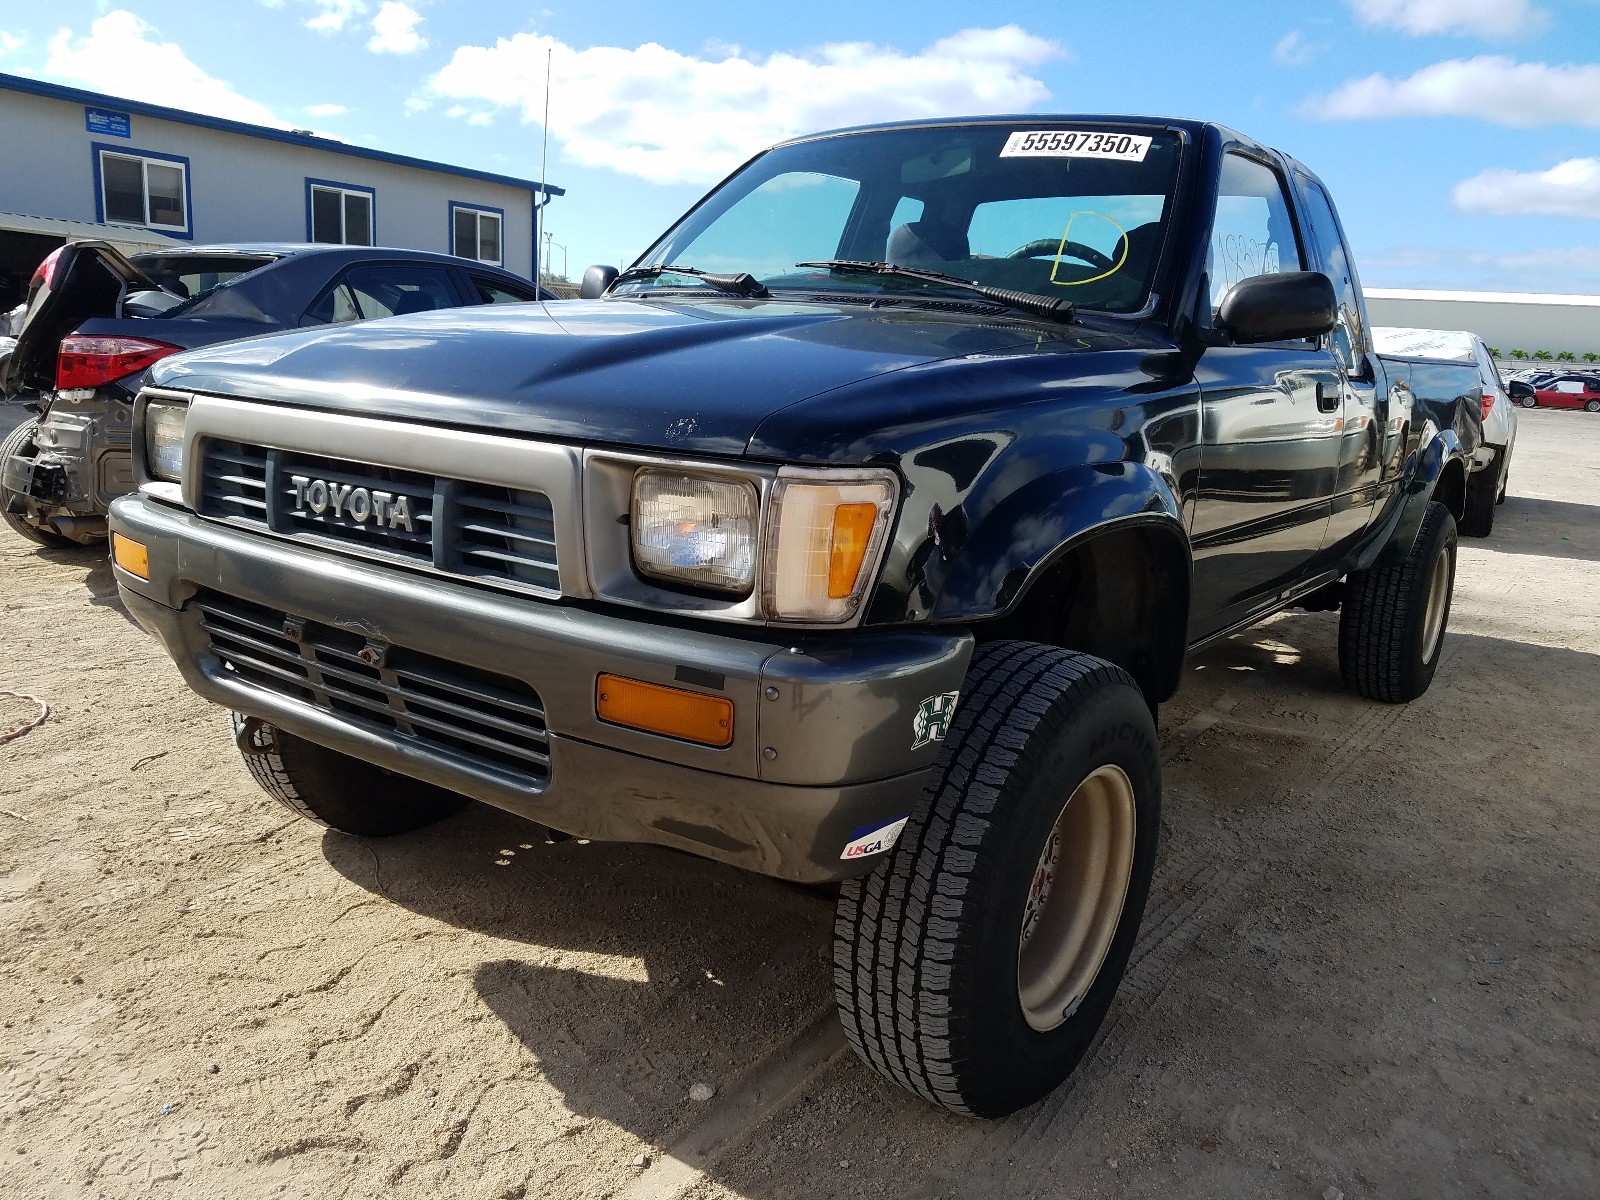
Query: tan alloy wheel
{"type": "Point", "coordinates": [1438, 596]}
{"type": "Point", "coordinates": [1076, 898]}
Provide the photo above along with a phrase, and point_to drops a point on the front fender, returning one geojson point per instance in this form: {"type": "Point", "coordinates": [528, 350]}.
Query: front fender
{"type": "Point", "coordinates": [1021, 536]}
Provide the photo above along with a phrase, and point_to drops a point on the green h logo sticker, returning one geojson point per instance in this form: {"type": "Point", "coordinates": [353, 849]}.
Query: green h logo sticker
{"type": "Point", "coordinates": [933, 719]}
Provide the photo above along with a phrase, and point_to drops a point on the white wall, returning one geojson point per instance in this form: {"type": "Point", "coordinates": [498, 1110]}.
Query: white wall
{"type": "Point", "coordinates": [1553, 323]}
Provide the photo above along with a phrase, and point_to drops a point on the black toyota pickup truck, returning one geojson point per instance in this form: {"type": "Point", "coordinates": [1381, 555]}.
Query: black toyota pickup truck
{"type": "Point", "coordinates": [854, 534]}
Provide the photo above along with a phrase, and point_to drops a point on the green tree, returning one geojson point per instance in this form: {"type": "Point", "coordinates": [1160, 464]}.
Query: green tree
{"type": "Point", "coordinates": [1494, 351]}
{"type": "Point", "coordinates": [1541, 356]}
{"type": "Point", "coordinates": [1519, 355]}
{"type": "Point", "coordinates": [1591, 357]}
{"type": "Point", "coordinates": [1566, 356]}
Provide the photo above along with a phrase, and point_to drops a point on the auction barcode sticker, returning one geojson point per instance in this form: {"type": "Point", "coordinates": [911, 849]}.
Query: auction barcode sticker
{"type": "Point", "coordinates": [1072, 143]}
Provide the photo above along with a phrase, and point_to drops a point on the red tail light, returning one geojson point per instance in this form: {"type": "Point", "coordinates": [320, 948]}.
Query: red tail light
{"type": "Point", "coordinates": [1488, 403]}
{"type": "Point", "coordinates": [45, 273]}
{"type": "Point", "coordinates": [86, 362]}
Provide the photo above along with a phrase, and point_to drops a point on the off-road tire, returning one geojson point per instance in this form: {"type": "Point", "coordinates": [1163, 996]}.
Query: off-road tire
{"type": "Point", "coordinates": [1483, 492]}
{"type": "Point", "coordinates": [1383, 620]}
{"type": "Point", "coordinates": [926, 946]}
{"type": "Point", "coordinates": [19, 441]}
{"type": "Point", "coordinates": [334, 789]}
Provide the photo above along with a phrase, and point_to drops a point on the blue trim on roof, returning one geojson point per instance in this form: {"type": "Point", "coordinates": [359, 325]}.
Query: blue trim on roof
{"type": "Point", "coordinates": [372, 209]}
{"type": "Point", "coordinates": [56, 91]}
{"type": "Point", "coordinates": [96, 149]}
{"type": "Point", "coordinates": [489, 209]}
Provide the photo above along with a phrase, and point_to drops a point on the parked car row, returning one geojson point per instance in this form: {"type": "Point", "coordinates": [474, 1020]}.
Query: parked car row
{"type": "Point", "coordinates": [96, 321]}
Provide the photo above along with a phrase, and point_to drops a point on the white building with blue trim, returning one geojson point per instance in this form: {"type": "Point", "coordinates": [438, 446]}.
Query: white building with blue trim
{"type": "Point", "coordinates": [91, 165]}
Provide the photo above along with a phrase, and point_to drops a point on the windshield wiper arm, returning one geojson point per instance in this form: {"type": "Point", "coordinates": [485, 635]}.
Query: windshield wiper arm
{"type": "Point", "coordinates": [742, 284]}
{"type": "Point", "coordinates": [1047, 306]}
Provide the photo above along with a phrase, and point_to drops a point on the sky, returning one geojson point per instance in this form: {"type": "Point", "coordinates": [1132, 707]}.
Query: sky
{"type": "Point", "coordinates": [1460, 138]}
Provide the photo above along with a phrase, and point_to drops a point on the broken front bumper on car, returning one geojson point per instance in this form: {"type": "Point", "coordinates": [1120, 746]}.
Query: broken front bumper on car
{"type": "Point", "coordinates": [494, 696]}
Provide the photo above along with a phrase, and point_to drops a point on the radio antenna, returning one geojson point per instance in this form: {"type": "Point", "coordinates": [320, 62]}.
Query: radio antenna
{"type": "Point", "coordinates": [544, 187]}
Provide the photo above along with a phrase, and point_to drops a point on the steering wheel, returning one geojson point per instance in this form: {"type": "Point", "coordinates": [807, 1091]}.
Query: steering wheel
{"type": "Point", "coordinates": [1050, 247]}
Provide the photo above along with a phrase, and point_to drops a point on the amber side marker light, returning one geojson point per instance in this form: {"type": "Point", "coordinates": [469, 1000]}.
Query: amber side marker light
{"type": "Point", "coordinates": [671, 712]}
{"type": "Point", "coordinates": [133, 557]}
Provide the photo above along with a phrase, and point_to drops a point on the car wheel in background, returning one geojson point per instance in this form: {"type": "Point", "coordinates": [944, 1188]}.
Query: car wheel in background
{"type": "Point", "coordinates": [1392, 621]}
{"type": "Point", "coordinates": [1528, 402]}
{"type": "Point", "coordinates": [1483, 493]}
{"type": "Point", "coordinates": [975, 963]}
{"type": "Point", "coordinates": [335, 790]}
{"type": "Point", "coordinates": [19, 443]}
{"type": "Point", "coordinates": [1592, 406]}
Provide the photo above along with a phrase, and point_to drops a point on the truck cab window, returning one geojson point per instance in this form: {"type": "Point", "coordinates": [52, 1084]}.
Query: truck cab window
{"type": "Point", "coordinates": [1350, 340]}
{"type": "Point", "coordinates": [1253, 233]}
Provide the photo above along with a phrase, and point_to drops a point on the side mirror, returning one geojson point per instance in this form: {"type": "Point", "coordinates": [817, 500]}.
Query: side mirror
{"type": "Point", "coordinates": [1279, 308]}
{"type": "Point", "coordinates": [595, 282]}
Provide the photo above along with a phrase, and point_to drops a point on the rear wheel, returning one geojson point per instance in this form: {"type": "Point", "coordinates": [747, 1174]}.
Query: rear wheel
{"type": "Point", "coordinates": [1591, 406]}
{"type": "Point", "coordinates": [975, 963]}
{"type": "Point", "coordinates": [1392, 621]}
{"type": "Point", "coordinates": [334, 789]}
{"type": "Point", "coordinates": [1483, 493]}
{"type": "Point", "coordinates": [19, 444]}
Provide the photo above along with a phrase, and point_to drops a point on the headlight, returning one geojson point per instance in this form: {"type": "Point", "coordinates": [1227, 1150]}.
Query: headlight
{"type": "Point", "coordinates": [695, 529]}
{"type": "Point", "coordinates": [825, 534]}
{"type": "Point", "coordinates": [163, 439]}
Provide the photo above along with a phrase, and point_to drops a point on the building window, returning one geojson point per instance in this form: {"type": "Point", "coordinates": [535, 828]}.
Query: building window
{"type": "Point", "coordinates": [475, 233]}
{"type": "Point", "coordinates": [338, 214]}
{"type": "Point", "coordinates": [140, 188]}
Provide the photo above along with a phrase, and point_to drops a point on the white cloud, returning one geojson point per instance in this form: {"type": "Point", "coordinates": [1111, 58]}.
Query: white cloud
{"type": "Point", "coordinates": [1493, 88]}
{"type": "Point", "coordinates": [675, 118]}
{"type": "Point", "coordinates": [335, 14]}
{"type": "Point", "coordinates": [326, 110]}
{"type": "Point", "coordinates": [10, 43]}
{"type": "Point", "coordinates": [394, 29]}
{"type": "Point", "coordinates": [1293, 50]}
{"type": "Point", "coordinates": [165, 75]}
{"type": "Point", "coordinates": [1568, 189]}
{"type": "Point", "coordinates": [1486, 18]}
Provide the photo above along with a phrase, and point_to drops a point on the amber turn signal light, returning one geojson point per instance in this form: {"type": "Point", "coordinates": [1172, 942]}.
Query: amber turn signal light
{"type": "Point", "coordinates": [852, 532]}
{"type": "Point", "coordinates": [133, 557]}
{"type": "Point", "coordinates": [671, 712]}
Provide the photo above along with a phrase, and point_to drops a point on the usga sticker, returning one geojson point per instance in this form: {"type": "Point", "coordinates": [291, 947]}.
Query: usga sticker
{"type": "Point", "coordinates": [874, 841]}
{"type": "Point", "coordinates": [933, 719]}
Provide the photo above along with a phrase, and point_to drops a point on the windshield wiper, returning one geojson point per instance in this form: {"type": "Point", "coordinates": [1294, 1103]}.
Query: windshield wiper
{"type": "Point", "coordinates": [742, 284]}
{"type": "Point", "coordinates": [1047, 306]}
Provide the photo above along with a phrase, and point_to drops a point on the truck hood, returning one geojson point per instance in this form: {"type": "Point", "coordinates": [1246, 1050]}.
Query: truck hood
{"type": "Point", "coordinates": [694, 375]}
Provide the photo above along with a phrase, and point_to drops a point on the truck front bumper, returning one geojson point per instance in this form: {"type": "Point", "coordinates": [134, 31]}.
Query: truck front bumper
{"type": "Point", "coordinates": [825, 747]}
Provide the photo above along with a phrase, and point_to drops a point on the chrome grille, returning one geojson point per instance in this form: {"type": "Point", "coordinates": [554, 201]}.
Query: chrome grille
{"type": "Point", "coordinates": [486, 531]}
{"type": "Point", "coordinates": [486, 720]}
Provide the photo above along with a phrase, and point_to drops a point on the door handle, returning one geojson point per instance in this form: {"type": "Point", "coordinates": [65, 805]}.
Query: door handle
{"type": "Point", "coordinates": [1329, 396]}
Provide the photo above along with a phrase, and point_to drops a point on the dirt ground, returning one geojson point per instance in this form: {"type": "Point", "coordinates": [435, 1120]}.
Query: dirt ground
{"type": "Point", "coordinates": [1370, 960]}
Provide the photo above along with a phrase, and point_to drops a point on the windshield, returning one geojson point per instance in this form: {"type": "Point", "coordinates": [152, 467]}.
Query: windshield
{"type": "Point", "coordinates": [1071, 212]}
{"type": "Point", "coordinates": [194, 276]}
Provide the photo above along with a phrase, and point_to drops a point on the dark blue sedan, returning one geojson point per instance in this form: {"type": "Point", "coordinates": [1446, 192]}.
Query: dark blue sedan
{"type": "Point", "coordinates": [96, 321]}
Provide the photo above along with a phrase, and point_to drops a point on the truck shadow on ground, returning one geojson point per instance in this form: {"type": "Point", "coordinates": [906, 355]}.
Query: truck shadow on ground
{"type": "Point", "coordinates": [631, 973]}
{"type": "Point", "coordinates": [97, 579]}
{"type": "Point", "coordinates": [1547, 528]}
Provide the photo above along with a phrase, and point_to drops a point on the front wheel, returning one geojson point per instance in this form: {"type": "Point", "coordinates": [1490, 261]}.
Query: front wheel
{"type": "Point", "coordinates": [335, 790]}
{"type": "Point", "coordinates": [1528, 402]}
{"type": "Point", "coordinates": [975, 963]}
{"type": "Point", "coordinates": [1392, 621]}
{"type": "Point", "coordinates": [19, 443]}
